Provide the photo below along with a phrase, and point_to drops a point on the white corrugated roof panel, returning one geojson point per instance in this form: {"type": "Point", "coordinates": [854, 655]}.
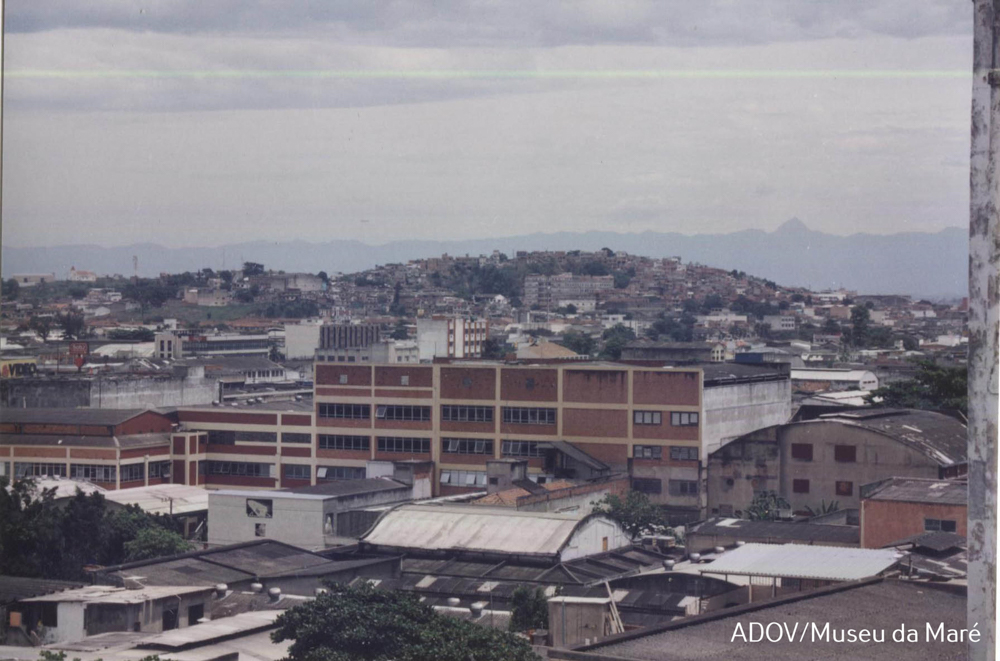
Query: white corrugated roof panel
{"type": "Point", "coordinates": [163, 498]}
{"type": "Point", "coordinates": [474, 528]}
{"type": "Point", "coordinates": [825, 563]}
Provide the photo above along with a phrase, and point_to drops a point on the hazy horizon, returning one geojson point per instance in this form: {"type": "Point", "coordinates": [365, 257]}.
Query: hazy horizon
{"type": "Point", "coordinates": [204, 124]}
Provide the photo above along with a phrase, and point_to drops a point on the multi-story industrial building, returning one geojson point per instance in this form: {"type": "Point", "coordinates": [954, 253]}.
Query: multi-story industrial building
{"type": "Point", "coordinates": [189, 344]}
{"type": "Point", "coordinates": [576, 420]}
{"type": "Point", "coordinates": [547, 291]}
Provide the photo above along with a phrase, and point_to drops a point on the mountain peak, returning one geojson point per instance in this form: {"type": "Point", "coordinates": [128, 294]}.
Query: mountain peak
{"type": "Point", "coordinates": [792, 225]}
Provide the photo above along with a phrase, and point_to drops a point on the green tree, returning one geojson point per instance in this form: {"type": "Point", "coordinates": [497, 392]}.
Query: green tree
{"type": "Point", "coordinates": [635, 513]}
{"type": "Point", "coordinates": [322, 275]}
{"type": "Point", "coordinates": [830, 326]}
{"type": "Point", "coordinates": [766, 506]}
{"type": "Point", "coordinates": [581, 343]}
{"type": "Point", "coordinates": [42, 326]}
{"type": "Point", "coordinates": [155, 542]}
{"type": "Point", "coordinates": [10, 289]}
{"type": "Point", "coordinates": [933, 388]}
{"type": "Point", "coordinates": [529, 609]}
{"type": "Point", "coordinates": [615, 339]}
{"type": "Point", "coordinates": [73, 325]}
{"type": "Point", "coordinates": [494, 349]}
{"type": "Point", "coordinates": [860, 320]}
{"type": "Point", "coordinates": [252, 268]}
{"type": "Point", "coordinates": [400, 330]}
{"type": "Point", "coordinates": [364, 624]}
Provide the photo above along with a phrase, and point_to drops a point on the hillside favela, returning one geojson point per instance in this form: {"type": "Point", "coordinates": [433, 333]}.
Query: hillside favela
{"type": "Point", "coordinates": [606, 455]}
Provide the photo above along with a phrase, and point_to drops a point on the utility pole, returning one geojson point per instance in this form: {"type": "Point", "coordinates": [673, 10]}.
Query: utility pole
{"type": "Point", "coordinates": [984, 326]}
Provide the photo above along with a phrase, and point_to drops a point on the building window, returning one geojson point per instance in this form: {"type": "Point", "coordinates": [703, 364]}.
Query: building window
{"type": "Point", "coordinates": [49, 614]}
{"type": "Point", "coordinates": [845, 488]}
{"type": "Point", "coordinates": [92, 473]}
{"type": "Point", "coordinates": [400, 444]}
{"type": "Point", "coordinates": [36, 469]}
{"type": "Point", "coordinates": [404, 380]}
{"type": "Point", "coordinates": [410, 413]}
{"type": "Point", "coordinates": [647, 485]}
{"type": "Point", "coordinates": [800, 486]}
{"type": "Point", "coordinates": [289, 437]}
{"type": "Point", "coordinates": [339, 442]}
{"type": "Point", "coordinates": [467, 446]}
{"type": "Point", "coordinates": [221, 437]}
{"type": "Point", "coordinates": [845, 453]}
{"type": "Point", "coordinates": [940, 525]}
{"type": "Point", "coordinates": [345, 411]}
{"type": "Point", "coordinates": [297, 472]}
{"type": "Point", "coordinates": [340, 473]}
{"type": "Point", "coordinates": [466, 413]}
{"type": "Point", "coordinates": [240, 468]}
{"type": "Point", "coordinates": [683, 487]}
{"type": "Point", "coordinates": [133, 473]}
{"type": "Point", "coordinates": [647, 417]}
{"type": "Point", "coordinates": [464, 478]}
{"type": "Point", "coordinates": [647, 452]}
{"type": "Point", "coordinates": [520, 449]}
{"type": "Point", "coordinates": [343, 379]}
{"type": "Point", "coordinates": [681, 453]}
{"type": "Point", "coordinates": [159, 469]}
{"type": "Point", "coordinates": [260, 530]}
{"type": "Point", "coordinates": [802, 451]}
{"type": "Point", "coordinates": [516, 415]}
{"type": "Point", "coordinates": [684, 419]}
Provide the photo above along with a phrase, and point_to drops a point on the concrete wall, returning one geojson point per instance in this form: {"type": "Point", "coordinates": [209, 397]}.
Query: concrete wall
{"type": "Point", "coordinates": [296, 521]}
{"type": "Point", "coordinates": [766, 464]}
{"type": "Point", "coordinates": [590, 538]}
{"type": "Point", "coordinates": [887, 521]}
{"type": "Point", "coordinates": [733, 410]}
{"type": "Point", "coordinates": [307, 521]}
{"type": "Point", "coordinates": [301, 340]}
{"type": "Point", "coordinates": [108, 393]}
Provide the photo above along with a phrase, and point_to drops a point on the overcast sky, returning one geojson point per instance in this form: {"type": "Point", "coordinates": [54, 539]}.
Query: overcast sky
{"type": "Point", "coordinates": [202, 122]}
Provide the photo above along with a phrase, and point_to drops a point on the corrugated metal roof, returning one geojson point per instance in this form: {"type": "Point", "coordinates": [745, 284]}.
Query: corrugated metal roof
{"type": "Point", "coordinates": [163, 498]}
{"type": "Point", "coordinates": [917, 490]}
{"type": "Point", "coordinates": [70, 416]}
{"type": "Point", "coordinates": [825, 563]}
{"type": "Point", "coordinates": [474, 529]}
{"type": "Point", "coordinates": [746, 530]}
{"type": "Point", "coordinates": [13, 588]}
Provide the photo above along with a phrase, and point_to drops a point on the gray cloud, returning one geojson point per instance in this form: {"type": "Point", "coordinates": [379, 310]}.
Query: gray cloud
{"type": "Point", "coordinates": [519, 23]}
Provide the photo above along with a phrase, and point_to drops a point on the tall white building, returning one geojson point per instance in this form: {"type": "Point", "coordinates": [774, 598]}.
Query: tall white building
{"type": "Point", "coordinates": [451, 337]}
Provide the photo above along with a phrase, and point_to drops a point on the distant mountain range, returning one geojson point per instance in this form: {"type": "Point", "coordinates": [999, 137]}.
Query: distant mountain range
{"type": "Point", "coordinates": [917, 263]}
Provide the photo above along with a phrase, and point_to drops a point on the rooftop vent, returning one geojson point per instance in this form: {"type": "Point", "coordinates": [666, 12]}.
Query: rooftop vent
{"type": "Point", "coordinates": [454, 601]}
{"type": "Point", "coordinates": [220, 590]}
{"type": "Point", "coordinates": [274, 594]}
{"type": "Point", "coordinates": [256, 587]}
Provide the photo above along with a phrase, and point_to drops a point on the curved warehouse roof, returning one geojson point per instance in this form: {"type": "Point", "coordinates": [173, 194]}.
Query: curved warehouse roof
{"type": "Point", "coordinates": [472, 528]}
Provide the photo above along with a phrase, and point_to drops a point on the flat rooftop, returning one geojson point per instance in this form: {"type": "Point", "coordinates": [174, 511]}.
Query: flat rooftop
{"type": "Point", "coordinates": [879, 605]}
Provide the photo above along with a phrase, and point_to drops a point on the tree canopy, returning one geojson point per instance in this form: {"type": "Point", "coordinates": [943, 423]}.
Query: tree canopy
{"type": "Point", "coordinates": [41, 539]}
{"type": "Point", "coordinates": [364, 624]}
{"type": "Point", "coordinates": [933, 388]}
{"type": "Point", "coordinates": [635, 513]}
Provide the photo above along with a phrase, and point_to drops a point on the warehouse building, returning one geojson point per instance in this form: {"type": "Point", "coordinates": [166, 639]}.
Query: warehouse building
{"type": "Point", "coordinates": [813, 462]}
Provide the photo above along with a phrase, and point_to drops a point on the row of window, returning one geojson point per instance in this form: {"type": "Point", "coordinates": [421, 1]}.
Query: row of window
{"type": "Point", "coordinates": [231, 437]}
{"type": "Point", "coordinates": [340, 473]}
{"type": "Point", "coordinates": [674, 487]}
{"type": "Point", "coordinates": [451, 413]}
{"type": "Point", "coordinates": [93, 472]}
{"type": "Point", "coordinates": [841, 487]}
{"type": "Point", "coordinates": [298, 472]}
{"type": "Point", "coordinates": [466, 446]}
{"type": "Point", "coordinates": [654, 418]}
{"type": "Point", "coordinates": [241, 468]}
{"type": "Point", "coordinates": [847, 454]}
{"type": "Point", "coordinates": [677, 453]}
{"type": "Point", "coordinates": [513, 415]}
{"type": "Point", "coordinates": [464, 478]}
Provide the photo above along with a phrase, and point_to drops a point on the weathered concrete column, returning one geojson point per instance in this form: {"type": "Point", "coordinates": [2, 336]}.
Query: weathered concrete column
{"type": "Point", "coordinates": [984, 325]}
